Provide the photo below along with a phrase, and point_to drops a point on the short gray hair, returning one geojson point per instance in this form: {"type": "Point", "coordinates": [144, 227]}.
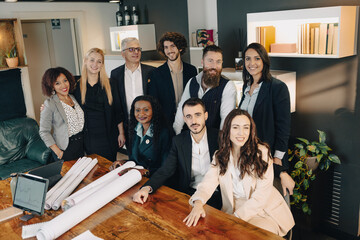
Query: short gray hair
{"type": "Point", "coordinates": [125, 41]}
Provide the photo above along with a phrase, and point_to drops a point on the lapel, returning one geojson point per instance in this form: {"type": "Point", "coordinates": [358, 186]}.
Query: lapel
{"type": "Point", "coordinates": [122, 89]}
{"type": "Point", "coordinates": [60, 107]}
{"type": "Point", "coordinates": [145, 144]}
{"type": "Point", "coordinates": [187, 153]}
{"type": "Point", "coordinates": [212, 141]}
{"type": "Point", "coordinates": [263, 93]}
{"type": "Point", "coordinates": [144, 76]}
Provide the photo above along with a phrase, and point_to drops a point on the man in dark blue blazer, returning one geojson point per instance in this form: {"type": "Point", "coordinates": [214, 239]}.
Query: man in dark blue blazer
{"type": "Point", "coordinates": [168, 81]}
{"type": "Point", "coordinates": [185, 164]}
{"type": "Point", "coordinates": [130, 79]}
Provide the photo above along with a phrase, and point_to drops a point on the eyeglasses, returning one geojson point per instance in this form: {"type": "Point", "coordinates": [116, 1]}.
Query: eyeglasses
{"type": "Point", "coordinates": [133, 49]}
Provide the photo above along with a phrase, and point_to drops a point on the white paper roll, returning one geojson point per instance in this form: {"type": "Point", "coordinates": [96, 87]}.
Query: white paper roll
{"type": "Point", "coordinates": [69, 180]}
{"type": "Point", "coordinates": [94, 186]}
{"type": "Point", "coordinates": [74, 184]}
{"type": "Point", "coordinates": [62, 223]}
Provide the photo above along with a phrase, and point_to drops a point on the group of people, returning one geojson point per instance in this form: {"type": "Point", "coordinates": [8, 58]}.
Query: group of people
{"type": "Point", "coordinates": [222, 156]}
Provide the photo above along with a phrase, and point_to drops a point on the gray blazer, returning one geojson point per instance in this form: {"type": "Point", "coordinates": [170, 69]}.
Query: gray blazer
{"type": "Point", "coordinates": [53, 117]}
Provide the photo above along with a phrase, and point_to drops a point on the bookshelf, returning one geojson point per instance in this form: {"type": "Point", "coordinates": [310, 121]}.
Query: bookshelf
{"type": "Point", "coordinates": [287, 24]}
{"type": "Point", "coordinates": [145, 33]}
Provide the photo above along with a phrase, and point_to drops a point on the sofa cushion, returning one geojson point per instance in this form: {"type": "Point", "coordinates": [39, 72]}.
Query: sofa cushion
{"type": "Point", "coordinates": [15, 135]}
{"type": "Point", "coordinates": [20, 165]}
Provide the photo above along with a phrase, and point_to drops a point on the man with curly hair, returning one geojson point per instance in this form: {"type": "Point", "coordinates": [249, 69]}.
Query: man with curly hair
{"type": "Point", "coordinates": [168, 81]}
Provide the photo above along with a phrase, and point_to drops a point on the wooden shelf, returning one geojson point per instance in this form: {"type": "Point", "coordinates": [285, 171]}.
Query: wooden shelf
{"type": "Point", "coordinates": [287, 23]}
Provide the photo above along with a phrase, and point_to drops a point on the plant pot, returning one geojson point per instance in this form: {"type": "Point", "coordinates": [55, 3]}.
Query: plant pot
{"type": "Point", "coordinates": [12, 62]}
{"type": "Point", "coordinates": [312, 163]}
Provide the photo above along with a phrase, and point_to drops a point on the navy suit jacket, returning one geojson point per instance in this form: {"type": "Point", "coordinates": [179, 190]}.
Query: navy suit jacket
{"type": "Point", "coordinates": [179, 161]}
{"type": "Point", "coordinates": [118, 82]}
{"type": "Point", "coordinates": [272, 117]}
{"type": "Point", "coordinates": [161, 87]}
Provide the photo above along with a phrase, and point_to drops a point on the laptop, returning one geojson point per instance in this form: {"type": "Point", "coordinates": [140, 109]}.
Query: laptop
{"type": "Point", "coordinates": [50, 171]}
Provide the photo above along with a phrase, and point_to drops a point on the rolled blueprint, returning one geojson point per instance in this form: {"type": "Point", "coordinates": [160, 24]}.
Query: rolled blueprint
{"type": "Point", "coordinates": [68, 219]}
{"type": "Point", "coordinates": [83, 193]}
{"type": "Point", "coordinates": [74, 184]}
{"type": "Point", "coordinates": [69, 180]}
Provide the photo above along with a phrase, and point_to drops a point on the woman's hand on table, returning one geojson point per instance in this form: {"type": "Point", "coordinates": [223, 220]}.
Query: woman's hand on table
{"type": "Point", "coordinates": [195, 214]}
{"type": "Point", "coordinates": [142, 195]}
{"type": "Point", "coordinates": [117, 164]}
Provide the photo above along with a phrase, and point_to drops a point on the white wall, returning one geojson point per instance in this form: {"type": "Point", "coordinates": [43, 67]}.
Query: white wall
{"type": "Point", "coordinates": [94, 19]}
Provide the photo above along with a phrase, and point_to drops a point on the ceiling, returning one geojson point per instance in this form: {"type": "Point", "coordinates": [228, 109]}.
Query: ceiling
{"type": "Point", "coordinates": [105, 1]}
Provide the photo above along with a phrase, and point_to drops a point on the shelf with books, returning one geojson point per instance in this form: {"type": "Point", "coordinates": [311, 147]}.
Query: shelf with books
{"type": "Point", "coordinates": [328, 32]}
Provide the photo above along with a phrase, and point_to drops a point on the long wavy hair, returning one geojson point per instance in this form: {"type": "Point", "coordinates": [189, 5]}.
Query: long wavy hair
{"type": "Point", "coordinates": [266, 76]}
{"type": "Point", "coordinates": [157, 120]}
{"type": "Point", "coordinates": [104, 80]}
{"type": "Point", "coordinates": [250, 160]}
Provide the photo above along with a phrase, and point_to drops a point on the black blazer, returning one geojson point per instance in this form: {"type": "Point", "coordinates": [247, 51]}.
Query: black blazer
{"type": "Point", "coordinates": [161, 87]}
{"type": "Point", "coordinates": [272, 117]}
{"type": "Point", "coordinates": [179, 161]}
{"type": "Point", "coordinates": [113, 116]}
{"type": "Point", "coordinates": [117, 77]}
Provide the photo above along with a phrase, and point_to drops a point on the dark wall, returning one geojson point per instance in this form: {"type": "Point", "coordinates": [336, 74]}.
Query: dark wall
{"type": "Point", "coordinates": [167, 16]}
{"type": "Point", "coordinates": [327, 96]}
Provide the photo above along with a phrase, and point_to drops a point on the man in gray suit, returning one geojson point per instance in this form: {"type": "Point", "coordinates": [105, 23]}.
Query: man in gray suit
{"type": "Point", "coordinates": [130, 79]}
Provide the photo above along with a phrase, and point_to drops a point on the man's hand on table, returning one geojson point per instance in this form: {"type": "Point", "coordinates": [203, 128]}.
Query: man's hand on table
{"type": "Point", "coordinates": [142, 195]}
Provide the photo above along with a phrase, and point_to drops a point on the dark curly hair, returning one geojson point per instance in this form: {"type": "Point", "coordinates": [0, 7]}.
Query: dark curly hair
{"type": "Point", "coordinates": [177, 38]}
{"type": "Point", "coordinates": [250, 159]}
{"type": "Point", "coordinates": [158, 119]}
{"type": "Point", "coordinates": [266, 76]}
{"type": "Point", "coordinates": [49, 79]}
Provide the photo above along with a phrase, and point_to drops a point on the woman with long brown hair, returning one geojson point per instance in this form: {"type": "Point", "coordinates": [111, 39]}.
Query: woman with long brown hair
{"type": "Point", "coordinates": [243, 168]}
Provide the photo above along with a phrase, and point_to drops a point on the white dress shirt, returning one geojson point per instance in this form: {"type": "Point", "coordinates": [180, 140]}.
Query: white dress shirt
{"type": "Point", "coordinates": [228, 102]}
{"type": "Point", "coordinates": [133, 86]}
{"type": "Point", "coordinates": [200, 163]}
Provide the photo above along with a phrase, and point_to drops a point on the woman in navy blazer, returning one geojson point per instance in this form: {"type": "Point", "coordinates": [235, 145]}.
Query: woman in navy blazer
{"type": "Point", "coordinates": [149, 135]}
{"type": "Point", "coordinates": [267, 100]}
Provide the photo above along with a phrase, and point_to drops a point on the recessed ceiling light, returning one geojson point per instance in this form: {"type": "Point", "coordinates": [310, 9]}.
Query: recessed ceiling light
{"type": "Point", "coordinates": [114, 1]}
{"type": "Point", "coordinates": [10, 0]}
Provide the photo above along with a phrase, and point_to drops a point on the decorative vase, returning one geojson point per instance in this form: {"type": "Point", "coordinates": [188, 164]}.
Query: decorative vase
{"type": "Point", "coordinates": [312, 163]}
{"type": "Point", "coordinates": [12, 62]}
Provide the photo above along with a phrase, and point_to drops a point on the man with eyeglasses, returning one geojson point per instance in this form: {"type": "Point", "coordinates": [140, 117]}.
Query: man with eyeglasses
{"type": "Point", "coordinates": [218, 93]}
{"type": "Point", "coordinates": [168, 81]}
{"type": "Point", "coordinates": [130, 80]}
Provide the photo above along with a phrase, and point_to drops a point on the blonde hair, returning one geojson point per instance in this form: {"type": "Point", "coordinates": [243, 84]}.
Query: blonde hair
{"type": "Point", "coordinates": [104, 80]}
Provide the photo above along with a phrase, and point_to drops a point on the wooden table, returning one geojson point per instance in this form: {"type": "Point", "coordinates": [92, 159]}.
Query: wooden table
{"type": "Point", "coordinates": [159, 218]}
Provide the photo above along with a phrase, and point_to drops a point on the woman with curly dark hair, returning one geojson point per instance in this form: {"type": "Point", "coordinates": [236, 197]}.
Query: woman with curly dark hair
{"type": "Point", "coordinates": [62, 119]}
{"type": "Point", "coordinates": [243, 168]}
{"type": "Point", "coordinates": [149, 135]}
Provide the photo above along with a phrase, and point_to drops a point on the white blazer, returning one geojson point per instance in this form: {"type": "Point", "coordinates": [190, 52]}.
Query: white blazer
{"type": "Point", "coordinates": [261, 195]}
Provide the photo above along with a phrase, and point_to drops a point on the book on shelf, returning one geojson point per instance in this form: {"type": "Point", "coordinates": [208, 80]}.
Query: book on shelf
{"type": "Point", "coordinates": [267, 36]}
{"type": "Point", "coordinates": [336, 39]}
{"type": "Point", "coordinates": [312, 27]}
{"type": "Point", "coordinates": [330, 38]}
{"type": "Point", "coordinates": [323, 38]}
{"type": "Point", "coordinates": [316, 40]}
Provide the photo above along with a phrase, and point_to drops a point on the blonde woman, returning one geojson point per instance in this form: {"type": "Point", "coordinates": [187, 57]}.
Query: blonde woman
{"type": "Point", "coordinates": [103, 130]}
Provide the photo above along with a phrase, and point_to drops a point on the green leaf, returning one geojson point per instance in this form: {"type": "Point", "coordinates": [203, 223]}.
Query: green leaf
{"type": "Point", "coordinates": [327, 164]}
{"type": "Point", "coordinates": [302, 152]}
{"type": "Point", "coordinates": [304, 140]}
{"type": "Point", "coordinates": [309, 172]}
{"type": "Point", "coordinates": [305, 207]}
{"type": "Point", "coordinates": [322, 136]}
{"type": "Point", "coordinates": [299, 145]}
{"type": "Point", "coordinates": [306, 184]}
{"type": "Point", "coordinates": [311, 148]}
{"type": "Point", "coordinates": [298, 164]}
{"type": "Point", "coordinates": [312, 178]}
{"type": "Point", "coordinates": [319, 157]}
{"type": "Point", "coordinates": [334, 158]}
{"type": "Point", "coordinates": [290, 158]}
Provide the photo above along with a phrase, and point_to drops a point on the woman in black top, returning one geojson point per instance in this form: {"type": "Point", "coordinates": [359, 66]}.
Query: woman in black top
{"type": "Point", "coordinates": [103, 131]}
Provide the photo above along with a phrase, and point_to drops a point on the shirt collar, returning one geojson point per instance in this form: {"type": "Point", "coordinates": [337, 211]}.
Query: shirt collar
{"type": "Point", "coordinates": [139, 130]}
{"type": "Point", "coordinates": [247, 89]}
{"type": "Point", "coordinates": [201, 140]}
{"type": "Point", "coordinates": [137, 69]}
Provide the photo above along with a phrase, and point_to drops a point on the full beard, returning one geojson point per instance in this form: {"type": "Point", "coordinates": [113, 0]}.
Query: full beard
{"type": "Point", "coordinates": [210, 79]}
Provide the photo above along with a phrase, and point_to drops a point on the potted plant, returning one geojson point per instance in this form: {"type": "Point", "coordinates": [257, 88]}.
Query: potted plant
{"type": "Point", "coordinates": [309, 155]}
{"type": "Point", "coordinates": [11, 57]}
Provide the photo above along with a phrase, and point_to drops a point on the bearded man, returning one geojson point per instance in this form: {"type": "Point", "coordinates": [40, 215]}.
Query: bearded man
{"type": "Point", "coordinates": [218, 93]}
{"type": "Point", "coordinates": [168, 81]}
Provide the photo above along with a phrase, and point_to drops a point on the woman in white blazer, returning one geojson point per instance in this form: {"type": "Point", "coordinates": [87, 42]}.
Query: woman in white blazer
{"type": "Point", "coordinates": [243, 168]}
{"type": "Point", "coordinates": [62, 119]}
